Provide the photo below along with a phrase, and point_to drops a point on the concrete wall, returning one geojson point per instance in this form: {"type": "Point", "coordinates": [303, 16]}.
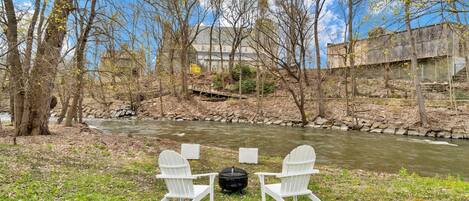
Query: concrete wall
{"type": "Point", "coordinates": [430, 69]}
{"type": "Point", "coordinates": [432, 41]}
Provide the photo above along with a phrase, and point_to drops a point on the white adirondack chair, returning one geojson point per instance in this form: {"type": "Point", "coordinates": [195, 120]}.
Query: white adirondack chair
{"type": "Point", "coordinates": [296, 171]}
{"type": "Point", "coordinates": [176, 172]}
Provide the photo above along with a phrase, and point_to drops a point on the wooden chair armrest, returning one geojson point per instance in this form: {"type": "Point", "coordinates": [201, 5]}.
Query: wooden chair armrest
{"type": "Point", "coordinates": [267, 174]}
{"type": "Point", "coordinates": [314, 171]}
{"type": "Point", "coordinates": [160, 176]}
{"type": "Point", "coordinates": [213, 174]}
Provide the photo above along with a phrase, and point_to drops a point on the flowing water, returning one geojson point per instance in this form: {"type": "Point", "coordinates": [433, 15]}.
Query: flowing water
{"type": "Point", "coordinates": [355, 150]}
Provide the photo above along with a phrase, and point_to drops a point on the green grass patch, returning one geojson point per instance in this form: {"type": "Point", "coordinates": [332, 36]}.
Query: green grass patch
{"type": "Point", "coordinates": [90, 174]}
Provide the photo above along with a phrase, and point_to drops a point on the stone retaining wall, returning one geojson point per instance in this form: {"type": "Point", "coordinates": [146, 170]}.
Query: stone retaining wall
{"type": "Point", "coordinates": [362, 125]}
{"type": "Point", "coordinates": [322, 123]}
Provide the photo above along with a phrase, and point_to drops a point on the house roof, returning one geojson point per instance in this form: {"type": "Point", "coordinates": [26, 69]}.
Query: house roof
{"type": "Point", "coordinates": [226, 36]}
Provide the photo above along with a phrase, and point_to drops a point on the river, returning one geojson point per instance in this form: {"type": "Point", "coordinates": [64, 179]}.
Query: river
{"type": "Point", "coordinates": [351, 149]}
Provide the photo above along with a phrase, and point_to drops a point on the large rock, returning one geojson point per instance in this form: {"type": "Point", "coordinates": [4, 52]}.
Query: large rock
{"type": "Point", "coordinates": [376, 125]}
{"type": "Point", "coordinates": [376, 130]}
{"type": "Point", "coordinates": [423, 131]}
{"type": "Point", "coordinates": [321, 121]}
{"type": "Point", "coordinates": [278, 122]}
{"type": "Point", "coordinates": [344, 127]}
{"type": "Point", "coordinates": [365, 129]}
{"type": "Point", "coordinates": [413, 132]}
{"type": "Point", "coordinates": [444, 134]}
{"type": "Point", "coordinates": [432, 134]}
{"type": "Point", "coordinates": [458, 133]}
{"type": "Point", "coordinates": [401, 131]}
{"type": "Point", "coordinates": [389, 131]}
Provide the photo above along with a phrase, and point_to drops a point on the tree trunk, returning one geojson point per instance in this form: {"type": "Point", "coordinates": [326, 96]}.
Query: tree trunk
{"type": "Point", "coordinates": [414, 65]}
{"type": "Point", "coordinates": [80, 66]}
{"type": "Point", "coordinates": [210, 47]}
{"type": "Point", "coordinates": [231, 62]}
{"type": "Point", "coordinates": [387, 85]}
{"type": "Point", "coordinates": [184, 67]}
{"type": "Point", "coordinates": [220, 46]}
{"type": "Point", "coordinates": [171, 71]}
{"type": "Point", "coordinates": [13, 60]}
{"type": "Point", "coordinates": [351, 49]}
{"type": "Point", "coordinates": [320, 108]}
{"type": "Point", "coordinates": [64, 109]}
{"type": "Point", "coordinates": [29, 38]}
{"type": "Point", "coordinates": [258, 90]}
{"type": "Point", "coordinates": [240, 74]}
{"type": "Point", "coordinates": [80, 108]}
{"type": "Point", "coordinates": [35, 117]}
{"type": "Point", "coordinates": [12, 101]}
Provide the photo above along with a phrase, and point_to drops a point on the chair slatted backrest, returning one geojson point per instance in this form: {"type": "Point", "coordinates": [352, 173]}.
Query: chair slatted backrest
{"type": "Point", "coordinates": [299, 161]}
{"type": "Point", "coordinates": [173, 164]}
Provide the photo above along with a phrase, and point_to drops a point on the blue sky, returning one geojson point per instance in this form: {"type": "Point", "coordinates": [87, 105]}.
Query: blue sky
{"type": "Point", "coordinates": [332, 25]}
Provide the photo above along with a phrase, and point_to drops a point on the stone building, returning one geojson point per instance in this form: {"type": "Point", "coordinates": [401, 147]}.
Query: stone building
{"type": "Point", "coordinates": [439, 51]}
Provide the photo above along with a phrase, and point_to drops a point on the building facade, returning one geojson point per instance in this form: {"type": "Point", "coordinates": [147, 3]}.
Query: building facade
{"type": "Point", "coordinates": [215, 58]}
{"type": "Point", "coordinates": [439, 51]}
{"type": "Point", "coordinates": [122, 65]}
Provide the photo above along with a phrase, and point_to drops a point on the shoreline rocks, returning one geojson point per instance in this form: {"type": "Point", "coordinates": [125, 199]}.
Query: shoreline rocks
{"type": "Point", "coordinates": [332, 124]}
{"type": "Point", "coordinates": [361, 125]}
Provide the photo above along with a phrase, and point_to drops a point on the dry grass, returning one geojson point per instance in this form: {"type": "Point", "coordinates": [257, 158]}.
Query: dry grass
{"type": "Point", "coordinates": [82, 164]}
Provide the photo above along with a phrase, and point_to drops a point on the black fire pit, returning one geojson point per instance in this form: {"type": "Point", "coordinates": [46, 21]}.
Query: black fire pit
{"type": "Point", "coordinates": [233, 179]}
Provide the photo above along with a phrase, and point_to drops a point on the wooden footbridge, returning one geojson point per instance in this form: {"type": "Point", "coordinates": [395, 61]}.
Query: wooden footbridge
{"type": "Point", "coordinates": [214, 94]}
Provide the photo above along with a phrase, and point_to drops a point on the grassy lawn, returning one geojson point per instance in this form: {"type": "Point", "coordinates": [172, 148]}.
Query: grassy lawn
{"type": "Point", "coordinates": [98, 167]}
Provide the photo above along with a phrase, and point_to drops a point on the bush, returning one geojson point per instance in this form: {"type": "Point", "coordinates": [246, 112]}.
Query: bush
{"type": "Point", "coordinates": [217, 81]}
{"type": "Point", "coordinates": [248, 72]}
{"type": "Point", "coordinates": [249, 86]}
{"type": "Point", "coordinates": [269, 87]}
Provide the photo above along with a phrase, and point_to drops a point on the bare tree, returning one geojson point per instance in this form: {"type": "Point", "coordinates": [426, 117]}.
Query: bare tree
{"type": "Point", "coordinates": [14, 63]}
{"type": "Point", "coordinates": [414, 64]}
{"type": "Point", "coordinates": [186, 17]}
{"type": "Point", "coordinates": [39, 88]}
{"type": "Point", "coordinates": [456, 11]}
{"type": "Point", "coordinates": [239, 17]}
{"type": "Point", "coordinates": [84, 22]}
{"type": "Point", "coordinates": [215, 6]}
{"type": "Point", "coordinates": [317, 12]}
{"type": "Point", "coordinates": [294, 27]}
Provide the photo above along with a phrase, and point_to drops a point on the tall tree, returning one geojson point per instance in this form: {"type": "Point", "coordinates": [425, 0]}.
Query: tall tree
{"type": "Point", "coordinates": [294, 27]}
{"type": "Point", "coordinates": [186, 17]}
{"type": "Point", "coordinates": [317, 12]}
{"type": "Point", "coordinates": [239, 18]}
{"type": "Point", "coordinates": [414, 63]}
{"type": "Point", "coordinates": [14, 63]}
{"type": "Point", "coordinates": [35, 116]}
{"type": "Point", "coordinates": [84, 24]}
{"type": "Point", "coordinates": [215, 6]}
{"type": "Point", "coordinates": [351, 45]}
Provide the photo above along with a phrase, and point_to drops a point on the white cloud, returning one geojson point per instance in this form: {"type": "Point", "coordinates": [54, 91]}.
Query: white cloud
{"type": "Point", "coordinates": [331, 26]}
{"type": "Point", "coordinates": [379, 7]}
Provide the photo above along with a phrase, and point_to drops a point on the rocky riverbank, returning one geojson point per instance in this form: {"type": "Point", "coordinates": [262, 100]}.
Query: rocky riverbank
{"type": "Point", "coordinates": [393, 118]}
{"type": "Point", "coordinates": [322, 123]}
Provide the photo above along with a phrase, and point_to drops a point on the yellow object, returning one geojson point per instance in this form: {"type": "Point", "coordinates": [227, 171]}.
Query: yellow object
{"type": "Point", "coordinates": [196, 69]}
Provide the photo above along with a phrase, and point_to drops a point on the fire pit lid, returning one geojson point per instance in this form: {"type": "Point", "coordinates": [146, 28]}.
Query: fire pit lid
{"type": "Point", "coordinates": [233, 179]}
